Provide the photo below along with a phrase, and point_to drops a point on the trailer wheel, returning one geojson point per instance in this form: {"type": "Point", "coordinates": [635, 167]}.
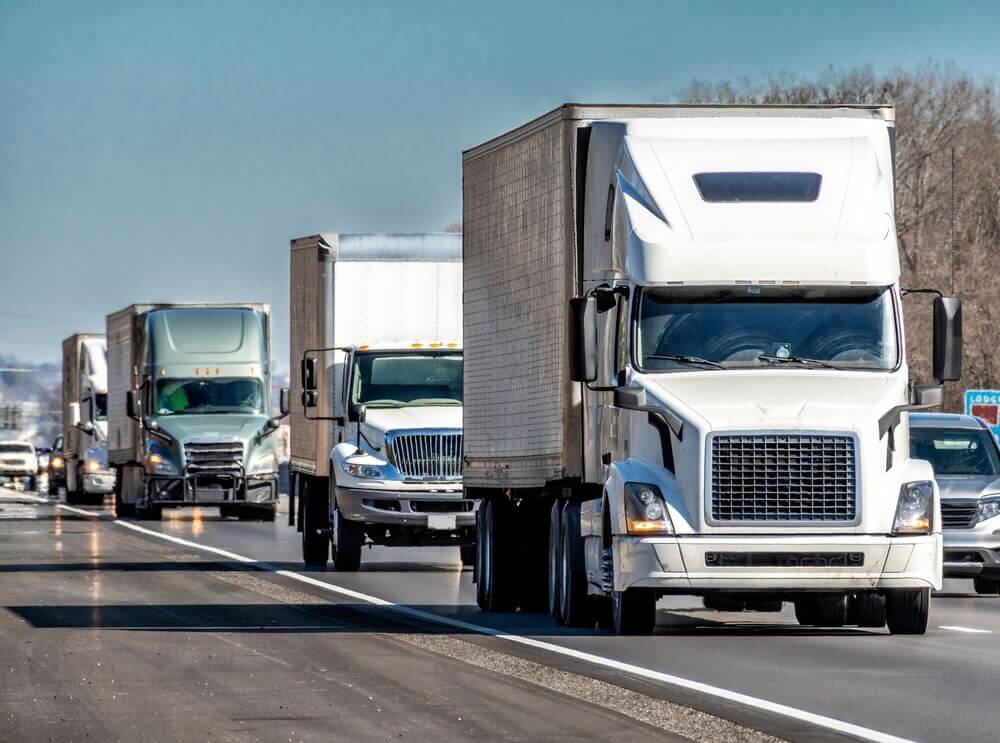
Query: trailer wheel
{"type": "Point", "coordinates": [315, 523]}
{"type": "Point", "coordinates": [496, 583]}
{"type": "Point", "coordinates": [348, 539]}
{"type": "Point", "coordinates": [867, 610]}
{"type": "Point", "coordinates": [985, 586]}
{"type": "Point", "coordinates": [633, 611]}
{"type": "Point", "coordinates": [574, 607]}
{"type": "Point", "coordinates": [907, 611]}
{"type": "Point", "coordinates": [555, 559]}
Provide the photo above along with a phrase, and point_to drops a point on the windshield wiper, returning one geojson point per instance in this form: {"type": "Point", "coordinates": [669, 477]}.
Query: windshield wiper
{"type": "Point", "coordinates": [685, 359]}
{"type": "Point", "coordinates": [798, 360]}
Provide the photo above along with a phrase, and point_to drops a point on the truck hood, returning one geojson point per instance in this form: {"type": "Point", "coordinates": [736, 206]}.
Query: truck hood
{"type": "Point", "coordinates": [227, 426]}
{"type": "Point", "coordinates": [777, 398]}
{"type": "Point", "coordinates": [968, 486]}
{"type": "Point", "coordinates": [380, 421]}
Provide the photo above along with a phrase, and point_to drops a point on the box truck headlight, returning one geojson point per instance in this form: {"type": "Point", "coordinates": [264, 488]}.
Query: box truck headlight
{"type": "Point", "coordinates": [362, 471]}
{"type": "Point", "coordinates": [915, 508]}
{"type": "Point", "coordinates": [989, 508]}
{"type": "Point", "coordinates": [92, 466]}
{"type": "Point", "coordinates": [263, 464]}
{"type": "Point", "coordinates": [645, 510]}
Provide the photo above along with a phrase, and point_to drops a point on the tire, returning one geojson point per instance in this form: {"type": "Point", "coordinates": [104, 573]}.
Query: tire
{"type": "Point", "coordinates": [907, 611]}
{"type": "Point", "coordinates": [985, 586]}
{"type": "Point", "coordinates": [315, 518]}
{"type": "Point", "coordinates": [467, 552]}
{"type": "Point", "coordinates": [574, 606]}
{"type": "Point", "coordinates": [823, 610]}
{"type": "Point", "coordinates": [122, 509]}
{"type": "Point", "coordinates": [555, 559]}
{"type": "Point", "coordinates": [867, 610]}
{"type": "Point", "coordinates": [633, 611]}
{"type": "Point", "coordinates": [348, 539]}
{"type": "Point", "coordinates": [805, 612]}
{"type": "Point", "coordinates": [496, 584]}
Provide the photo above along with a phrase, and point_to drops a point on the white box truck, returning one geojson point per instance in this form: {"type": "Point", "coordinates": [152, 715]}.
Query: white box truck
{"type": "Point", "coordinates": [685, 370]}
{"type": "Point", "coordinates": [189, 409]}
{"type": "Point", "coordinates": [376, 441]}
{"type": "Point", "coordinates": [85, 417]}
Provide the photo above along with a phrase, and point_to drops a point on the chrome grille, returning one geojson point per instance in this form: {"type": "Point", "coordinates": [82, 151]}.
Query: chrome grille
{"type": "Point", "coordinates": [428, 456]}
{"type": "Point", "coordinates": [783, 477]}
{"type": "Point", "coordinates": [958, 515]}
{"type": "Point", "coordinates": [225, 456]}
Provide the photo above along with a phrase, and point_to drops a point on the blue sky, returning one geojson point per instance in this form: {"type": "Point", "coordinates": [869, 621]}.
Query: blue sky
{"type": "Point", "coordinates": [168, 151]}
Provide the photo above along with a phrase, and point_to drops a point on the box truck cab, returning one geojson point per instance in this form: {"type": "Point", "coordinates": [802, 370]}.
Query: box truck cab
{"type": "Point", "coordinates": [377, 437]}
{"type": "Point", "coordinates": [85, 417]}
{"type": "Point", "coordinates": [191, 419]}
{"type": "Point", "coordinates": [718, 406]}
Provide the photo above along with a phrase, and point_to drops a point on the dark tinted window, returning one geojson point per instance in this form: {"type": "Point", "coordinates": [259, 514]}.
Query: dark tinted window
{"type": "Point", "coordinates": [955, 451]}
{"type": "Point", "coordinates": [738, 187]}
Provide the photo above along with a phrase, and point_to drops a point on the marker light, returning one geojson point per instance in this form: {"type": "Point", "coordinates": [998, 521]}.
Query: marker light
{"type": "Point", "coordinates": [434, 345]}
{"type": "Point", "coordinates": [416, 345]}
{"type": "Point", "coordinates": [363, 347]}
{"type": "Point", "coordinates": [452, 345]}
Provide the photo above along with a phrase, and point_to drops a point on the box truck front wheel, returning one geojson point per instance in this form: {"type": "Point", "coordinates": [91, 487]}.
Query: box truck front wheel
{"type": "Point", "coordinates": [122, 508]}
{"type": "Point", "coordinates": [907, 611]}
{"type": "Point", "coordinates": [315, 522]}
{"type": "Point", "coordinates": [496, 557]}
{"type": "Point", "coordinates": [633, 612]}
{"type": "Point", "coordinates": [348, 539]}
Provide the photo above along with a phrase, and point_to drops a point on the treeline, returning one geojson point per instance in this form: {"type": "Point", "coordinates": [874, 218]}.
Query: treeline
{"type": "Point", "coordinates": [942, 116]}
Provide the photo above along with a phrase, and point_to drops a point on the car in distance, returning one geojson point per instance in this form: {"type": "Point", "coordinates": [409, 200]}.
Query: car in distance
{"type": "Point", "coordinates": [18, 463]}
{"type": "Point", "coordinates": [966, 461]}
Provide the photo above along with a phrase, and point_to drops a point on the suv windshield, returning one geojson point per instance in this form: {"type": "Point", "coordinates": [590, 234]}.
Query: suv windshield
{"type": "Point", "coordinates": [9, 448]}
{"type": "Point", "coordinates": [195, 396]}
{"type": "Point", "coordinates": [761, 326]}
{"type": "Point", "coordinates": [407, 379]}
{"type": "Point", "coordinates": [955, 451]}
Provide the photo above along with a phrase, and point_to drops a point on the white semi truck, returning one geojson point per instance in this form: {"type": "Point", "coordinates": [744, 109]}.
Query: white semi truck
{"type": "Point", "coordinates": [376, 441]}
{"type": "Point", "coordinates": [685, 369]}
{"type": "Point", "coordinates": [85, 417]}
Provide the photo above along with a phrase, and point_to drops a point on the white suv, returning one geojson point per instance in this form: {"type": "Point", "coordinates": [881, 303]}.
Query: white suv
{"type": "Point", "coordinates": [18, 462]}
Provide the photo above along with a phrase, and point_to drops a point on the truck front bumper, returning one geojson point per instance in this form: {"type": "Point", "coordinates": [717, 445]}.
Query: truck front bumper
{"type": "Point", "coordinates": [256, 490]}
{"type": "Point", "coordinates": [776, 563]}
{"type": "Point", "coordinates": [972, 552]}
{"type": "Point", "coordinates": [410, 508]}
{"type": "Point", "coordinates": [99, 482]}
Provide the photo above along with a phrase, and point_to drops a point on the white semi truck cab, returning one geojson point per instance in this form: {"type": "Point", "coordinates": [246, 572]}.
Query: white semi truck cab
{"type": "Point", "coordinates": [377, 440]}
{"type": "Point", "coordinates": [85, 417]}
{"type": "Point", "coordinates": [714, 402]}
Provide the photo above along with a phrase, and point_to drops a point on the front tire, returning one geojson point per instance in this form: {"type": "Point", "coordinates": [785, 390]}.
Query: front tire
{"type": "Point", "coordinates": [574, 606]}
{"type": "Point", "coordinates": [496, 581]}
{"type": "Point", "coordinates": [348, 539]}
{"type": "Point", "coordinates": [633, 611]}
{"type": "Point", "coordinates": [907, 611]}
{"type": "Point", "coordinates": [315, 524]}
{"type": "Point", "coordinates": [985, 586]}
{"type": "Point", "coordinates": [867, 610]}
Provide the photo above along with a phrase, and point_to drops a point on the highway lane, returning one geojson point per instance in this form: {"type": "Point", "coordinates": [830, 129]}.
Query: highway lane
{"type": "Point", "coordinates": [925, 688]}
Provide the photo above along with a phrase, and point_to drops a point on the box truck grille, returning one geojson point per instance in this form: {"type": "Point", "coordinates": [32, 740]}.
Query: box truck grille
{"type": "Point", "coordinates": [783, 477]}
{"type": "Point", "coordinates": [214, 457]}
{"type": "Point", "coordinates": [428, 456]}
{"type": "Point", "coordinates": [959, 515]}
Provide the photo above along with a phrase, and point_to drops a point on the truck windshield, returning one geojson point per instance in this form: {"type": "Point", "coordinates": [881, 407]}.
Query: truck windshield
{"type": "Point", "coordinates": [407, 379]}
{"type": "Point", "coordinates": [760, 326]}
{"type": "Point", "coordinates": [197, 396]}
{"type": "Point", "coordinates": [955, 451]}
{"type": "Point", "coordinates": [100, 407]}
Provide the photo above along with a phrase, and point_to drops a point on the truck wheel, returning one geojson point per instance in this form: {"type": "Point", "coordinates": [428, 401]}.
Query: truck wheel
{"type": "Point", "coordinates": [824, 610]}
{"type": "Point", "coordinates": [467, 553]}
{"type": "Point", "coordinates": [633, 611]}
{"type": "Point", "coordinates": [555, 559]}
{"type": "Point", "coordinates": [348, 539]}
{"type": "Point", "coordinates": [805, 612]}
{"type": "Point", "coordinates": [574, 608]}
{"type": "Point", "coordinates": [315, 523]}
{"type": "Point", "coordinates": [907, 611]}
{"type": "Point", "coordinates": [985, 586]}
{"type": "Point", "coordinates": [496, 583]}
{"type": "Point", "coordinates": [867, 610]}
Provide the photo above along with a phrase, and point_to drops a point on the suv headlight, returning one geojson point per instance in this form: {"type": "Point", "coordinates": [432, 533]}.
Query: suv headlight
{"type": "Point", "coordinates": [159, 460]}
{"type": "Point", "coordinates": [645, 510]}
{"type": "Point", "coordinates": [265, 463]}
{"type": "Point", "coordinates": [362, 471]}
{"type": "Point", "coordinates": [989, 508]}
{"type": "Point", "coordinates": [914, 511]}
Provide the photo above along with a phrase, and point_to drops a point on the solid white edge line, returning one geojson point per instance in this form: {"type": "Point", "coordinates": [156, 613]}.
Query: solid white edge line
{"type": "Point", "coordinates": [972, 630]}
{"type": "Point", "coordinates": [840, 726]}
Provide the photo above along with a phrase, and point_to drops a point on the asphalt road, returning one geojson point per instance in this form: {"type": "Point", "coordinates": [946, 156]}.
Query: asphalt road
{"type": "Point", "coordinates": [212, 649]}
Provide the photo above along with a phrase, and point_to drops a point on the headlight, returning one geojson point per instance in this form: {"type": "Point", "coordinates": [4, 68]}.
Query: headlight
{"type": "Point", "coordinates": [57, 463]}
{"type": "Point", "coordinates": [989, 509]}
{"type": "Point", "coordinates": [263, 464]}
{"type": "Point", "coordinates": [915, 508]}
{"type": "Point", "coordinates": [645, 511]}
{"type": "Point", "coordinates": [92, 465]}
{"type": "Point", "coordinates": [362, 471]}
{"type": "Point", "coordinates": [158, 460]}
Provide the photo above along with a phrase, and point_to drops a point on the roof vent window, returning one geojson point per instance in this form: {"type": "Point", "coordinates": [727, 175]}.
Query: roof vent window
{"type": "Point", "coordinates": [734, 188]}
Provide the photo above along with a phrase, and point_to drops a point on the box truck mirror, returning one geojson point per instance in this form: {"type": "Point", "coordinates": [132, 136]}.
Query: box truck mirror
{"type": "Point", "coordinates": [356, 412]}
{"type": "Point", "coordinates": [74, 414]}
{"type": "Point", "coordinates": [131, 409]}
{"type": "Point", "coordinates": [309, 399]}
{"type": "Point", "coordinates": [928, 395]}
{"type": "Point", "coordinates": [584, 360]}
{"type": "Point", "coordinates": [284, 402]}
{"type": "Point", "coordinates": [947, 339]}
{"type": "Point", "coordinates": [309, 373]}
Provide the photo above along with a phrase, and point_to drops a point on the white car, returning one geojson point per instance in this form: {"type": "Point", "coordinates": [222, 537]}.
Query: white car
{"type": "Point", "coordinates": [18, 462]}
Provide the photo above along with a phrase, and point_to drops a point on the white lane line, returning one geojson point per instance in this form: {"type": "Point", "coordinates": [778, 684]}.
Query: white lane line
{"type": "Point", "coordinates": [764, 705]}
{"type": "Point", "coordinates": [973, 630]}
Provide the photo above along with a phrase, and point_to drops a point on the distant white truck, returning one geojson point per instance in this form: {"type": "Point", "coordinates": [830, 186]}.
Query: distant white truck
{"type": "Point", "coordinates": [85, 417]}
{"type": "Point", "coordinates": [18, 463]}
{"type": "Point", "coordinates": [685, 370]}
{"type": "Point", "coordinates": [376, 434]}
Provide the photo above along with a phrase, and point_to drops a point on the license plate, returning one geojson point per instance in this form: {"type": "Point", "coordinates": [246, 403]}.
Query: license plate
{"type": "Point", "coordinates": [441, 521]}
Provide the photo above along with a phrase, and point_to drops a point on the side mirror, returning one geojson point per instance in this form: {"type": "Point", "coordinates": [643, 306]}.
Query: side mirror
{"type": "Point", "coordinates": [74, 414]}
{"type": "Point", "coordinates": [86, 427]}
{"type": "Point", "coordinates": [583, 311]}
{"type": "Point", "coordinates": [928, 395]}
{"type": "Point", "coordinates": [309, 399]}
{"type": "Point", "coordinates": [284, 402]}
{"type": "Point", "coordinates": [947, 339]}
{"type": "Point", "coordinates": [356, 412]}
{"type": "Point", "coordinates": [131, 406]}
{"type": "Point", "coordinates": [630, 398]}
{"type": "Point", "coordinates": [309, 374]}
